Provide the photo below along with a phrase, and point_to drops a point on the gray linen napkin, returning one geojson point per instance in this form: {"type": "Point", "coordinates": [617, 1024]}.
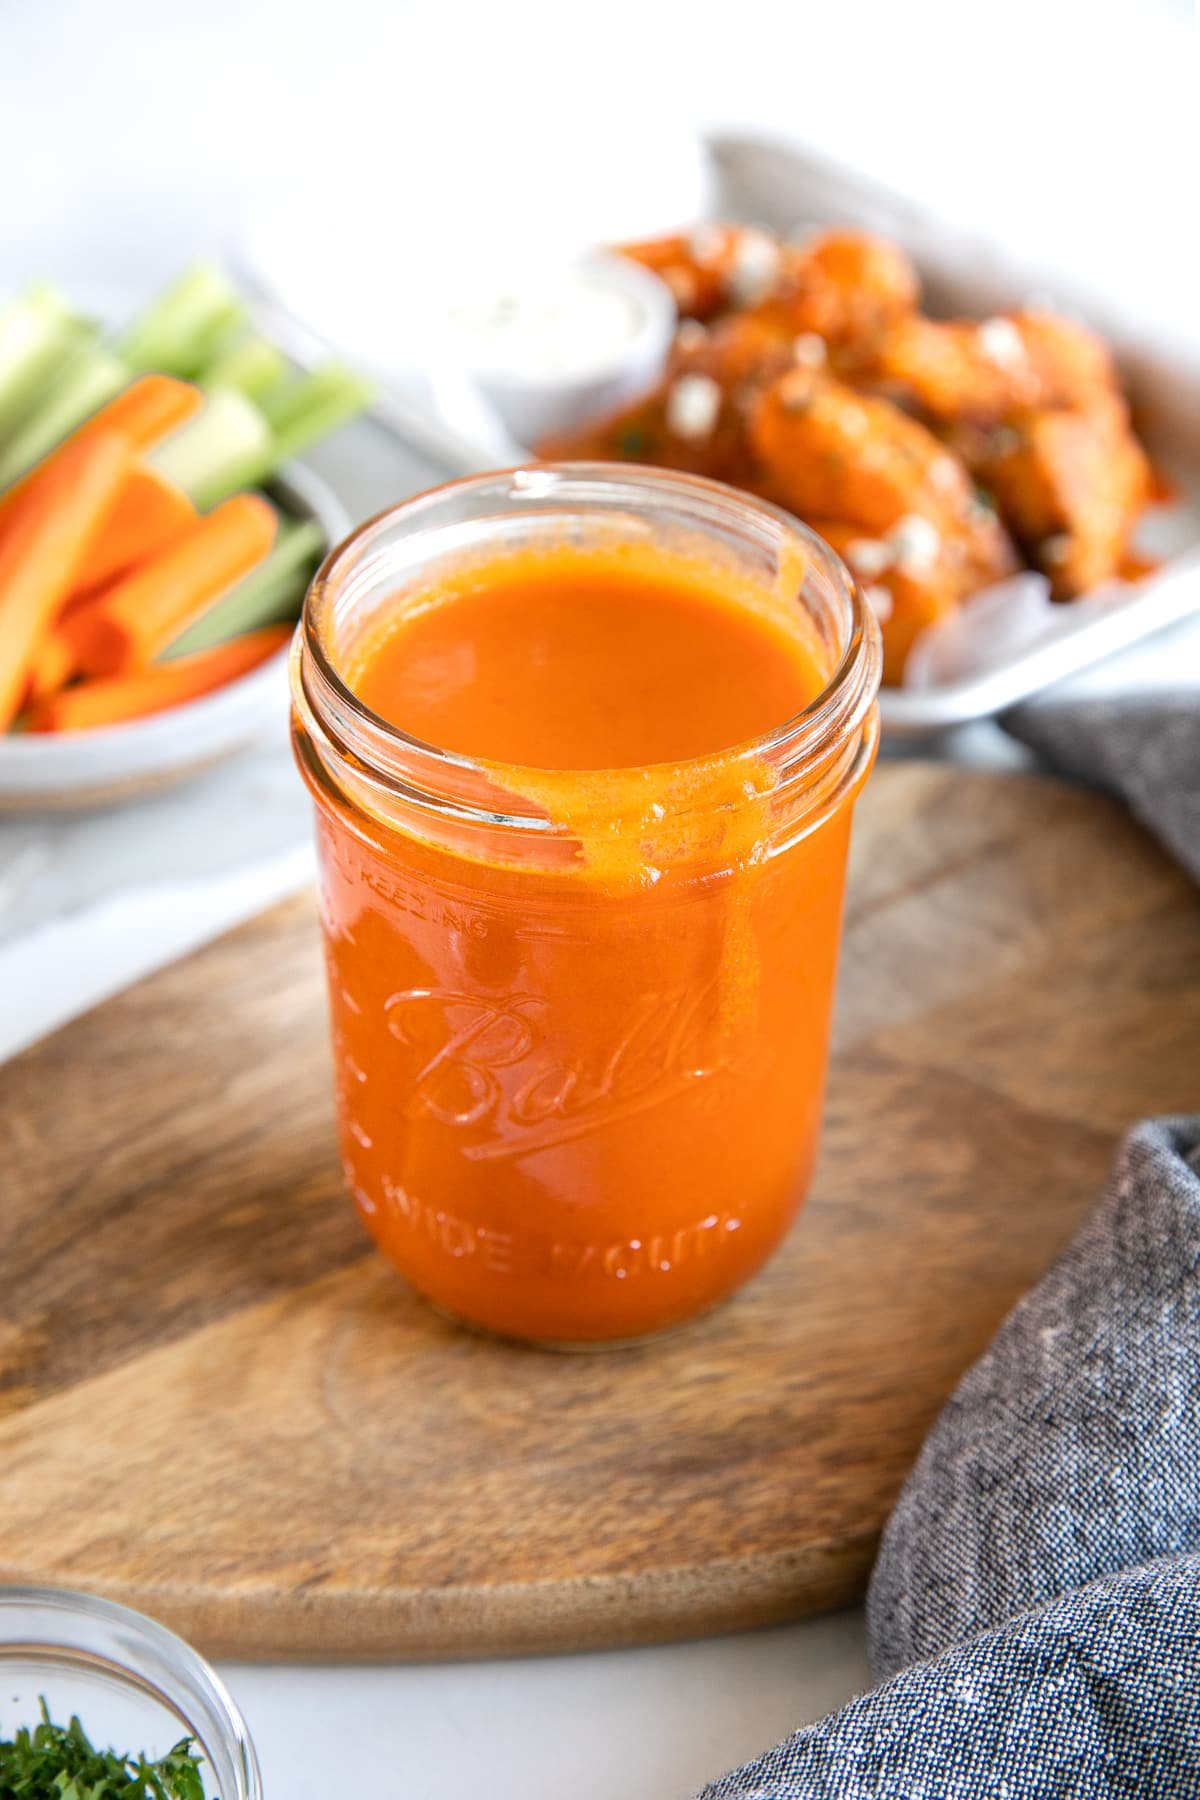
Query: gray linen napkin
{"type": "Point", "coordinates": [1045, 1552]}
{"type": "Point", "coordinates": [1091, 1698]}
{"type": "Point", "coordinates": [1072, 1449]}
{"type": "Point", "coordinates": [1143, 747]}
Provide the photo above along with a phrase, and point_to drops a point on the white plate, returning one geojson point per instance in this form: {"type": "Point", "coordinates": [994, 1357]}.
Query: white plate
{"type": "Point", "coordinates": [93, 768]}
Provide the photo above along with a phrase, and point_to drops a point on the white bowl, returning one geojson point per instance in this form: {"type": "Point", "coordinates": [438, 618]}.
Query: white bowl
{"type": "Point", "coordinates": [535, 402]}
{"type": "Point", "coordinates": [424, 226]}
{"type": "Point", "coordinates": [93, 768]}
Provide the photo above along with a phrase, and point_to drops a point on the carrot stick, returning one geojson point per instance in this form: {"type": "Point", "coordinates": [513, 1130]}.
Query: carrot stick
{"type": "Point", "coordinates": [150, 511]}
{"type": "Point", "coordinates": [148, 514]}
{"type": "Point", "coordinates": [147, 410]}
{"type": "Point", "coordinates": [45, 547]}
{"type": "Point", "coordinates": [135, 618]}
{"type": "Point", "coordinates": [97, 703]}
{"type": "Point", "coordinates": [51, 666]}
{"type": "Point", "coordinates": [142, 413]}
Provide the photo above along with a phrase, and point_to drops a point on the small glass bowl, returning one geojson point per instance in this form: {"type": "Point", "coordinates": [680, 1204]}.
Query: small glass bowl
{"type": "Point", "coordinates": [135, 1686]}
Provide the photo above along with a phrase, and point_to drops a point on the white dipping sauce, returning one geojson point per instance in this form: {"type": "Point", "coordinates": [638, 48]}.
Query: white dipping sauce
{"type": "Point", "coordinates": [564, 322]}
{"type": "Point", "coordinates": [548, 346]}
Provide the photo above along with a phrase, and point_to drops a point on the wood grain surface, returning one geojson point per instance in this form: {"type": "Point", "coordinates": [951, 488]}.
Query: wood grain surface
{"type": "Point", "coordinates": [217, 1404]}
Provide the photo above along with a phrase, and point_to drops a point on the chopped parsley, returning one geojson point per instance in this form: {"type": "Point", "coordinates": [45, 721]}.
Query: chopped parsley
{"type": "Point", "coordinates": [59, 1762]}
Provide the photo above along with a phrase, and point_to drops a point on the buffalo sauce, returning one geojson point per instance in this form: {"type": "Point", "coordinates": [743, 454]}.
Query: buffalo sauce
{"type": "Point", "coordinates": [580, 1063]}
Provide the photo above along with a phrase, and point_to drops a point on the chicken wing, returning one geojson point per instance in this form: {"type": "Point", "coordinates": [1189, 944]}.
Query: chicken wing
{"type": "Point", "coordinates": [905, 594]}
{"type": "Point", "coordinates": [697, 418]}
{"type": "Point", "coordinates": [830, 453]}
{"type": "Point", "coordinates": [713, 267]}
{"type": "Point", "coordinates": [979, 372]}
{"type": "Point", "coordinates": [844, 288]}
{"type": "Point", "coordinates": [1071, 486]}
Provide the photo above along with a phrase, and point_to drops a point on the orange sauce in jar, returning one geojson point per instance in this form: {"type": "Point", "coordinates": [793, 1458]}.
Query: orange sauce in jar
{"type": "Point", "coordinates": [581, 1007]}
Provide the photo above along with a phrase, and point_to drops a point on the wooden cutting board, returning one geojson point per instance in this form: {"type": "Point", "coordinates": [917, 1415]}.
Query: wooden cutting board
{"type": "Point", "coordinates": [217, 1404]}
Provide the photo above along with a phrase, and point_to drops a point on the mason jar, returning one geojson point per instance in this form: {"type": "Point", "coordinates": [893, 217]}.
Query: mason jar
{"type": "Point", "coordinates": [580, 1018]}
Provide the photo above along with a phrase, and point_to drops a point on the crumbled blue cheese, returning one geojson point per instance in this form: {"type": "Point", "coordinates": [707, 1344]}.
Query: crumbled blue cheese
{"type": "Point", "coordinates": [1001, 343]}
{"type": "Point", "coordinates": [690, 335]}
{"type": "Point", "coordinates": [869, 557]}
{"type": "Point", "coordinates": [854, 421]}
{"type": "Point", "coordinates": [796, 390]}
{"type": "Point", "coordinates": [706, 244]}
{"type": "Point", "coordinates": [915, 544]}
{"type": "Point", "coordinates": [809, 350]}
{"type": "Point", "coordinates": [755, 267]}
{"type": "Point", "coordinates": [693, 406]}
{"type": "Point", "coordinates": [945, 475]}
{"type": "Point", "coordinates": [682, 284]}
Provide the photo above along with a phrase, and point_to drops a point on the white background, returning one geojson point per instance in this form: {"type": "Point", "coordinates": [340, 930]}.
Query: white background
{"type": "Point", "coordinates": [136, 133]}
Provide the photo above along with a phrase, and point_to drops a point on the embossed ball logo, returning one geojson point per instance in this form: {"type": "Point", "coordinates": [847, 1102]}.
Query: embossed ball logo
{"type": "Point", "coordinates": [488, 1066]}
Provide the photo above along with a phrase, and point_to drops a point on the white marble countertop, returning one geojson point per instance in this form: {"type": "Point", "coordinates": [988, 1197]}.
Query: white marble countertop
{"type": "Point", "coordinates": [625, 1725]}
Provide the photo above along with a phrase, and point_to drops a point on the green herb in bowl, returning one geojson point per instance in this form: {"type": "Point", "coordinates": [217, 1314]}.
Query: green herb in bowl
{"type": "Point", "coordinates": [60, 1762]}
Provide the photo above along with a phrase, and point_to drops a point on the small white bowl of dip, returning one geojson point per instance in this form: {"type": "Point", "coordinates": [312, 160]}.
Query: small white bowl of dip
{"type": "Point", "coordinates": [551, 346]}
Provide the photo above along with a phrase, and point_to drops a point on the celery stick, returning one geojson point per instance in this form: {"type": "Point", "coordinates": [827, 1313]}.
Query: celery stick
{"type": "Point", "coordinates": [301, 394]}
{"type": "Point", "coordinates": [251, 364]}
{"type": "Point", "coordinates": [270, 594]}
{"type": "Point", "coordinates": [38, 332]}
{"type": "Point", "coordinates": [89, 377]}
{"type": "Point", "coordinates": [208, 345]}
{"type": "Point", "coordinates": [27, 319]}
{"type": "Point", "coordinates": [25, 389]}
{"type": "Point", "coordinates": [228, 432]}
{"type": "Point", "coordinates": [332, 385]}
{"type": "Point", "coordinates": [183, 328]}
{"type": "Point", "coordinates": [331, 397]}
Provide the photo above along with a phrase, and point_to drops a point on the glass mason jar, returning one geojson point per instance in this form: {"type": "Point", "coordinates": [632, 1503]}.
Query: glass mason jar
{"type": "Point", "coordinates": [580, 1019]}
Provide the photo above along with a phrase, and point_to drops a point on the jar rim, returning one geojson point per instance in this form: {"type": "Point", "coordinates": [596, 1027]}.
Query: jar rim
{"type": "Point", "coordinates": [384, 752]}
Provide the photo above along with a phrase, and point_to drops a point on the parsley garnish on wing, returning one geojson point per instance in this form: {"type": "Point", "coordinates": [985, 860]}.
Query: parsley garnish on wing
{"type": "Point", "coordinates": [59, 1762]}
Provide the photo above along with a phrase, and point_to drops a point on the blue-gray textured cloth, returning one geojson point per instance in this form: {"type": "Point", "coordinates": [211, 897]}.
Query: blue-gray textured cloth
{"type": "Point", "coordinates": [1042, 1651]}
{"type": "Point", "coordinates": [1094, 1697]}
{"type": "Point", "coordinates": [1072, 1449]}
{"type": "Point", "coordinates": [1143, 748]}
